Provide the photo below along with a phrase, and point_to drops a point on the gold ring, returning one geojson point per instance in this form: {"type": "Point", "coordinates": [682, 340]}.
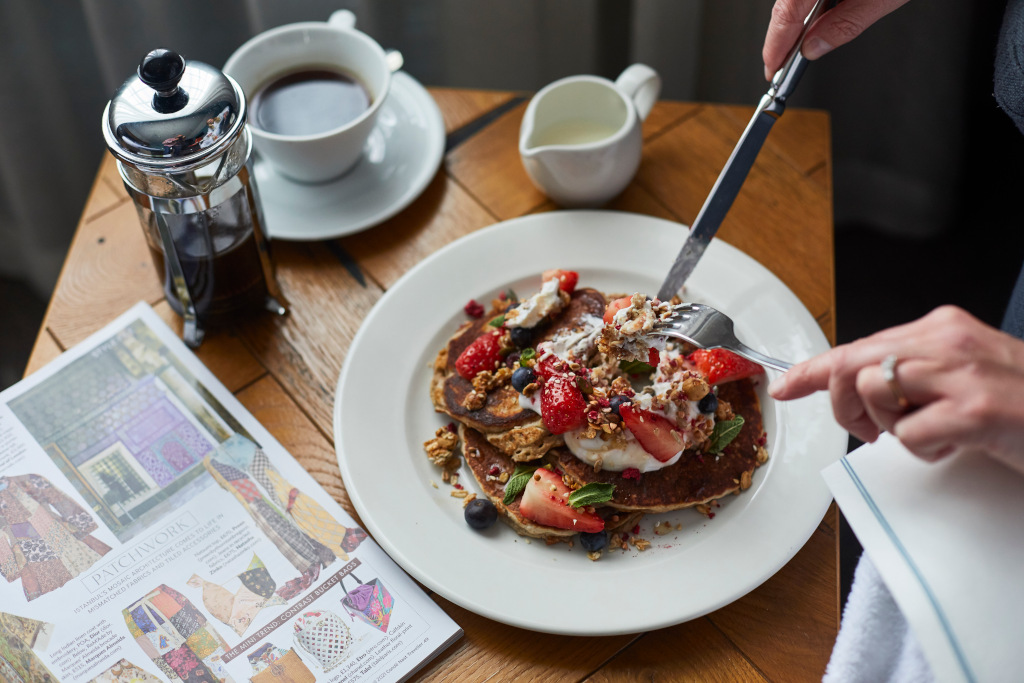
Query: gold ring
{"type": "Point", "coordinates": [889, 375]}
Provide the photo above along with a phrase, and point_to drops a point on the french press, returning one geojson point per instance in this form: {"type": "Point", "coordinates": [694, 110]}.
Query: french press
{"type": "Point", "coordinates": [183, 150]}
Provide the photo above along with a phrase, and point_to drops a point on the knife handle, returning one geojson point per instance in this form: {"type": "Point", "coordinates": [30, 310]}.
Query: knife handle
{"type": "Point", "coordinates": [785, 79]}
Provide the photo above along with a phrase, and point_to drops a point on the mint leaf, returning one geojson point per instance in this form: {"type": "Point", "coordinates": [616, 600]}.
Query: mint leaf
{"type": "Point", "coordinates": [517, 482]}
{"type": "Point", "coordinates": [635, 367]}
{"type": "Point", "coordinates": [526, 355]}
{"type": "Point", "coordinates": [498, 322]}
{"type": "Point", "coordinates": [593, 493]}
{"type": "Point", "coordinates": [512, 295]}
{"type": "Point", "coordinates": [724, 432]}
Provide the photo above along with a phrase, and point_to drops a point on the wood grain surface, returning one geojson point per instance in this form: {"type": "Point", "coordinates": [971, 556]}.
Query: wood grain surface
{"type": "Point", "coordinates": [284, 369]}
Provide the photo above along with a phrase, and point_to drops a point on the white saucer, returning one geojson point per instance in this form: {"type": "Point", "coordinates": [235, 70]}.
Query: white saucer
{"type": "Point", "coordinates": [399, 160]}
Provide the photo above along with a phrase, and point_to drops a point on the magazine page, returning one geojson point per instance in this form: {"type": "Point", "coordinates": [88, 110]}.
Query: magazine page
{"type": "Point", "coordinates": [153, 530]}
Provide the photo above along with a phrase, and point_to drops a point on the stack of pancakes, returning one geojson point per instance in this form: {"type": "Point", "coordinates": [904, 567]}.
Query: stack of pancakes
{"type": "Point", "coordinates": [494, 438]}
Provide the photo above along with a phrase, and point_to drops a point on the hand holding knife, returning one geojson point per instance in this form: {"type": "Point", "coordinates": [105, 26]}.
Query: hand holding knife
{"type": "Point", "coordinates": [730, 180]}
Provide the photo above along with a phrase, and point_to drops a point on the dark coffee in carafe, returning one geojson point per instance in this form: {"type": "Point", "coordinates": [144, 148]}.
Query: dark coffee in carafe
{"type": "Point", "coordinates": [220, 263]}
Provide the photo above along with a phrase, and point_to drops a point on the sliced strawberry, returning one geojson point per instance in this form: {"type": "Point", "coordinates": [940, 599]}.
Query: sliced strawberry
{"type": "Point", "coordinates": [656, 434]}
{"type": "Point", "coordinates": [546, 367]}
{"type": "Point", "coordinates": [546, 501]}
{"type": "Point", "coordinates": [562, 405]}
{"type": "Point", "coordinates": [653, 358]}
{"type": "Point", "coordinates": [567, 279]}
{"type": "Point", "coordinates": [720, 366]}
{"type": "Point", "coordinates": [482, 354]}
{"type": "Point", "coordinates": [616, 306]}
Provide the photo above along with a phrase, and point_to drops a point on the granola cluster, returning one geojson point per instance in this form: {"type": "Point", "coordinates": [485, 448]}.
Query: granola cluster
{"type": "Point", "coordinates": [627, 337]}
{"type": "Point", "coordinates": [441, 449]}
{"type": "Point", "coordinates": [483, 383]}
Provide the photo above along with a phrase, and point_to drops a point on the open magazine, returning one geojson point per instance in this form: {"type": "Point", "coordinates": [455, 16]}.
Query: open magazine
{"type": "Point", "coordinates": [153, 530]}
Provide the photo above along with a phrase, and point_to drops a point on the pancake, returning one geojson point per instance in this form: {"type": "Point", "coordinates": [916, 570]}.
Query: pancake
{"type": "Point", "coordinates": [696, 478]}
{"type": "Point", "coordinates": [488, 464]}
{"type": "Point", "coordinates": [516, 432]}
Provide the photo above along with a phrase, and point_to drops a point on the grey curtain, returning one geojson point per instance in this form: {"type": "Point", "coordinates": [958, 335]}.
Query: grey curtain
{"type": "Point", "coordinates": [897, 95]}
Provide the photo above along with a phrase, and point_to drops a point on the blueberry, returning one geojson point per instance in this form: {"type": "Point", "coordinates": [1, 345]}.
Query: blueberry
{"type": "Point", "coordinates": [521, 336]}
{"type": "Point", "coordinates": [512, 359]}
{"type": "Point", "coordinates": [523, 377]}
{"type": "Point", "coordinates": [593, 542]}
{"type": "Point", "coordinates": [514, 304]}
{"type": "Point", "coordinates": [481, 513]}
{"type": "Point", "coordinates": [709, 403]}
{"type": "Point", "coordinates": [617, 401]}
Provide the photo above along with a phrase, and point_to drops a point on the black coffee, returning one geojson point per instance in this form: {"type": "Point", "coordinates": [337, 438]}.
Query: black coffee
{"type": "Point", "coordinates": [309, 102]}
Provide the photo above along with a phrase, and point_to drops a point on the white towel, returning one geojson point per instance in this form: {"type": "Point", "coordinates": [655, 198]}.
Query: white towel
{"type": "Point", "coordinates": [875, 643]}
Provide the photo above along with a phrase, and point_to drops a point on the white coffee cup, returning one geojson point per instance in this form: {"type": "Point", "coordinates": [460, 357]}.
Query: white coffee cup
{"type": "Point", "coordinates": [334, 45]}
{"type": "Point", "coordinates": [580, 140]}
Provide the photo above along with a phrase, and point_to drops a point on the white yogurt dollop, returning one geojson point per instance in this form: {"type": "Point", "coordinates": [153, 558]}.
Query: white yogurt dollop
{"type": "Point", "coordinates": [574, 344]}
{"type": "Point", "coordinates": [616, 454]}
{"type": "Point", "coordinates": [531, 311]}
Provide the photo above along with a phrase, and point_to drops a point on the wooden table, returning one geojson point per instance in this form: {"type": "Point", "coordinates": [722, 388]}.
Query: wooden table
{"type": "Point", "coordinates": [284, 370]}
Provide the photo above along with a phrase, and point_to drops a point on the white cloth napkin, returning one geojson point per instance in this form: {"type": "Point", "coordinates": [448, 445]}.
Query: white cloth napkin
{"type": "Point", "coordinates": [875, 642]}
{"type": "Point", "coordinates": [947, 539]}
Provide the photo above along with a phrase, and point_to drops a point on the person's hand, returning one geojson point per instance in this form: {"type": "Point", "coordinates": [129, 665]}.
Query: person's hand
{"type": "Point", "coordinates": [963, 381]}
{"type": "Point", "coordinates": [835, 27]}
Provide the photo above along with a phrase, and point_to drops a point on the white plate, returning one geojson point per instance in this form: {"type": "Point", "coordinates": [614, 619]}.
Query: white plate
{"type": "Point", "coordinates": [400, 158]}
{"type": "Point", "coordinates": [383, 415]}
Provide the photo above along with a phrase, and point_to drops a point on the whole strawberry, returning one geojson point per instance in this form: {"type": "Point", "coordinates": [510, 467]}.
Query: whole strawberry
{"type": "Point", "coordinates": [562, 406]}
{"type": "Point", "coordinates": [483, 354]}
{"type": "Point", "coordinates": [720, 366]}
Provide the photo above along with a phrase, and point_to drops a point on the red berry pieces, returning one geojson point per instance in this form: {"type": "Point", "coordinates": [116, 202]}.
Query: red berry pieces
{"type": "Point", "coordinates": [653, 358]}
{"type": "Point", "coordinates": [482, 354]}
{"type": "Point", "coordinates": [567, 279]}
{"type": "Point", "coordinates": [631, 473]}
{"type": "Point", "coordinates": [655, 433]}
{"type": "Point", "coordinates": [473, 309]}
{"type": "Point", "coordinates": [720, 366]}
{"type": "Point", "coordinates": [546, 501]}
{"type": "Point", "coordinates": [616, 306]}
{"type": "Point", "coordinates": [562, 406]}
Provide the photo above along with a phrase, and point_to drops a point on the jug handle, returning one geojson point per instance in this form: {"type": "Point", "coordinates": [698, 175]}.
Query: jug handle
{"type": "Point", "coordinates": [342, 19]}
{"type": "Point", "coordinates": [642, 84]}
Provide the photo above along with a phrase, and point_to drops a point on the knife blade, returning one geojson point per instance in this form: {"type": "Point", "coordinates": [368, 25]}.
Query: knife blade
{"type": "Point", "coordinates": [736, 169]}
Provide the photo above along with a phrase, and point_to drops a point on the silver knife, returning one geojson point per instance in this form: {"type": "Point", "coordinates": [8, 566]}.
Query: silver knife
{"type": "Point", "coordinates": [730, 180]}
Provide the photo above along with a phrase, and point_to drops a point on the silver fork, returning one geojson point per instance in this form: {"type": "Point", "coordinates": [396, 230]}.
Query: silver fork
{"type": "Point", "coordinates": [709, 328]}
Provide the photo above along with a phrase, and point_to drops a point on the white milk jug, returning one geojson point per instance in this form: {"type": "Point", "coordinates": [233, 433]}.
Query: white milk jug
{"type": "Point", "coordinates": [580, 138]}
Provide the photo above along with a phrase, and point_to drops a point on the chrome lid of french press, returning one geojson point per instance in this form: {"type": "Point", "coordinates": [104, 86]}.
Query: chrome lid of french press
{"type": "Point", "coordinates": [174, 115]}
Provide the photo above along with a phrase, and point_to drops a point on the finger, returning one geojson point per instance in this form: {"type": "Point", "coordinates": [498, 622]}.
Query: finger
{"type": "Point", "coordinates": [975, 406]}
{"type": "Point", "coordinates": [784, 28]}
{"type": "Point", "coordinates": [843, 23]}
{"type": "Point", "coordinates": [816, 374]}
{"type": "Point", "coordinates": [849, 410]}
{"type": "Point", "coordinates": [831, 370]}
{"type": "Point", "coordinates": [919, 381]}
{"type": "Point", "coordinates": [879, 401]}
{"type": "Point", "coordinates": [936, 430]}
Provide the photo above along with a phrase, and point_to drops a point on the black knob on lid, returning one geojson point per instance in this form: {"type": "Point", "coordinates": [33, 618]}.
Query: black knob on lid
{"type": "Point", "coordinates": [161, 69]}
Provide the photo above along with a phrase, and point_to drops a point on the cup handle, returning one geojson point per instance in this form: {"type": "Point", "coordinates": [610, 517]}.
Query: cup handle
{"type": "Point", "coordinates": [642, 84]}
{"type": "Point", "coordinates": [342, 19]}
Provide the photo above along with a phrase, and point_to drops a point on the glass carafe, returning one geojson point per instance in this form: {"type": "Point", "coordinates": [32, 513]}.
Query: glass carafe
{"type": "Point", "coordinates": [184, 153]}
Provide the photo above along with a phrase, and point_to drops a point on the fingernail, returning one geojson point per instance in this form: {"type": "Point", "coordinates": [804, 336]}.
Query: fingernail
{"type": "Point", "coordinates": [777, 385]}
{"type": "Point", "coordinates": [815, 47]}
{"type": "Point", "coordinates": [767, 73]}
